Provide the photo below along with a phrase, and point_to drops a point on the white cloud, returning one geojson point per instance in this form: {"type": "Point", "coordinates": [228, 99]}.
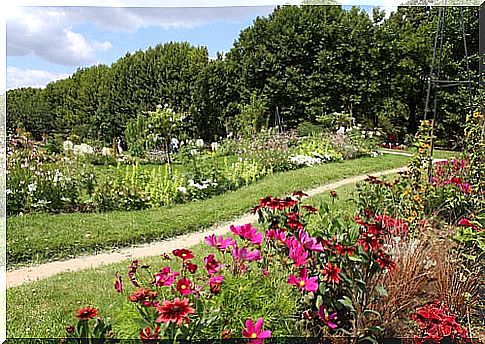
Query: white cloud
{"type": "Point", "coordinates": [50, 32]}
{"type": "Point", "coordinates": [17, 77]}
{"type": "Point", "coordinates": [47, 33]}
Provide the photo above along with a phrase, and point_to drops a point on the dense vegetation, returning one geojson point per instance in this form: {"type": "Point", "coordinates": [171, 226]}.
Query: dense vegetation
{"type": "Point", "coordinates": [308, 61]}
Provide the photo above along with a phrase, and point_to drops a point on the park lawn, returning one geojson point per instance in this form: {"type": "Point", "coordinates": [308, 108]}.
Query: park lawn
{"type": "Point", "coordinates": [437, 153]}
{"type": "Point", "coordinates": [37, 238]}
{"type": "Point", "coordinates": [34, 309]}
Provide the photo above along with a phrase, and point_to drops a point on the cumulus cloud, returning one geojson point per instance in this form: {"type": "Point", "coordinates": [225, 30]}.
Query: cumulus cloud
{"type": "Point", "coordinates": [17, 77]}
{"type": "Point", "coordinates": [49, 32]}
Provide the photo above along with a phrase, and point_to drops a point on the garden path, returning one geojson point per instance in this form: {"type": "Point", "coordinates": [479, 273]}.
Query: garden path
{"type": "Point", "coordinates": [32, 273]}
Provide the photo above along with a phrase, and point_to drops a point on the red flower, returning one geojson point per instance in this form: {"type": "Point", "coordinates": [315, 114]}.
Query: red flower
{"type": "Point", "coordinates": [177, 311]}
{"type": "Point", "coordinates": [331, 273]}
{"type": "Point", "coordinates": [118, 283]}
{"type": "Point", "coordinates": [144, 296]}
{"type": "Point", "coordinates": [467, 223]}
{"type": "Point", "coordinates": [191, 267]}
{"type": "Point", "coordinates": [333, 193]}
{"type": "Point", "coordinates": [310, 209]}
{"type": "Point", "coordinates": [87, 313]}
{"type": "Point", "coordinates": [183, 253]}
{"type": "Point", "coordinates": [344, 250]}
{"type": "Point", "coordinates": [211, 264]}
{"type": "Point", "coordinates": [369, 241]}
{"type": "Point", "coordinates": [385, 262]}
{"type": "Point", "coordinates": [299, 194]}
{"type": "Point", "coordinates": [215, 284]}
{"type": "Point", "coordinates": [146, 335]}
{"type": "Point", "coordinates": [184, 286]}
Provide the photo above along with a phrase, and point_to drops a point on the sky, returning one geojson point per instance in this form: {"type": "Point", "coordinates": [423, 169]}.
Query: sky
{"type": "Point", "coordinates": [48, 43]}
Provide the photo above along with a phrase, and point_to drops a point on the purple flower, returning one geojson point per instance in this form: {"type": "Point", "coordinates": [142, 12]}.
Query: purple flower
{"type": "Point", "coordinates": [297, 252]}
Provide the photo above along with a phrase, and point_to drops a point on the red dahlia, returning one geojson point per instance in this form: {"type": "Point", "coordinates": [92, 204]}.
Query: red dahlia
{"type": "Point", "coordinates": [177, 311]}
{"type": "Point", "coordinates": [87, 313]}
{"type": "Point", "coordinates": [183, 254]}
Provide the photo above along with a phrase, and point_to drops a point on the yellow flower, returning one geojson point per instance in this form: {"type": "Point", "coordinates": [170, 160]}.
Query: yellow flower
{"type": "Point", "coordinates": [416, 198]}
{"type": "Point", "coordinates": [421, 150]}
{"type": "Point", "coordinates": [415, 213]}
{"type": "Point", "coordinates": [410, 219]}
{"type": "Point", "coordinates": [405, 193]}
{"type": "Point", "coordinates": [477, 114]}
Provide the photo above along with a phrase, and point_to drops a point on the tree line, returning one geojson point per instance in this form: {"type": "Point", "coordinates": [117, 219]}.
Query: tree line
{"type": "Point", "coordinates": [306, 60]}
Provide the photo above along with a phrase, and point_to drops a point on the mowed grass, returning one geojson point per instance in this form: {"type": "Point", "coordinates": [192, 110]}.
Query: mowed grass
{"type": "Point", "coordinates": [44, 308]}
{"type": "Point", "coordinates": [437, 153]}
{"type": "Point", "coordinates": [36, 238]}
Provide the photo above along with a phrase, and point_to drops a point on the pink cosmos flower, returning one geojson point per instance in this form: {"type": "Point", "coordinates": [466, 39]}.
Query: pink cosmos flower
{"type": "Point", "coordinates": [276, 234]}
{"type": "Point", "coordinates": [248, 232]}
{"type": "Point", "coordinates": [327, 319]}
{"type": "Point", "coordinates": [165, 277]}
{"type": "Point", "coordinates": [211, 264]}
{"type": "Point", "coordinates": [303, 282]}
{"type": "Point", "coordinates": [215, 284]}
{"type": "Point", "coordinates": [309, 243]}
{"type": "Point", "coordinates": [244, 254]}
{"type": "Point", "coordinates": [219, 242]}
{"type": "Point", "coordinates": [297, 252]}
{"type": "Point", "coordinates": [253, 331]}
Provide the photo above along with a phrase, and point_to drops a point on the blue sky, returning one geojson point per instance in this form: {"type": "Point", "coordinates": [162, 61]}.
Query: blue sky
{"type": "Point", "coordinates": [49, 43]}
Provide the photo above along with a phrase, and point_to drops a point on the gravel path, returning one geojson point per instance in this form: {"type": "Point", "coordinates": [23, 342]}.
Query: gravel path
{"type": "Point", "coordinates": [32, 273]}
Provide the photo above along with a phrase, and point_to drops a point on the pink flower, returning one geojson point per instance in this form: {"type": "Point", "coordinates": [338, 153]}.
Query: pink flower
{"type": "Point", "coordinates": [327, 319]}
{"type": "Point", "coordinates": [165, 277]}
{"type": "Point", "coordinates": [276, 235]}
{"type": "Point", "coordinates": [249, 233]}
{"type": "Point", "coordinates": [212, 266]}
{"type": "Point", "coordinates": [219, 242]}
{"type": "Point", "coordinates": [303, 282]}
{"type": "Point", "coordinates": [297, 252]}
{"type": "Point", "coordinates": [244, 254]}
{"type": "Point", "coordinates": [254, 331]}
{"type": "Point", "coordinates": [309, 243]}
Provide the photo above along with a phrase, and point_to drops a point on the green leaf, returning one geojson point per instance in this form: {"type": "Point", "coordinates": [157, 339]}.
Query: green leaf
{"type": "Point", "coordinates": [347, 303]}
{"type": "Point", "coordinates": [381, 290]}
{"type": "Point", "coordinates": [371, 311]}
{"type": "Point", "coordinates": [375, 329]}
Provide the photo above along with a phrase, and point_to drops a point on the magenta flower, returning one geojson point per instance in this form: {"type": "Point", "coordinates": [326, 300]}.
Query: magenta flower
{"type": "Point", "coordinates": [303, 282]}
{"type": "Point", "coordinates": [276, 234]}
{"type": "Point", "coordinates": [297, 252]}
{"type": "Point", "coordinates": [254, 331]}
{"type": "Point", "coordinates": [215, 284]}
{"type": "Point", "coordinates": [327, 319]}
{"type": "Point", "coordinates": [165, 277]}
{"type": "Point", "coordinates": [249, 233]}
{"type": "Point", "coordinates": [219, 242]}
{"type": "Point", "coordinates": [244, 254]}
{"type": "Point", "coordinates": [309, 243]}
{"type": "Point", "coordinates": [211, 264]}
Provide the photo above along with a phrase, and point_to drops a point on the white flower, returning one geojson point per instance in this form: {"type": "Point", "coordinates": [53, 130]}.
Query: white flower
{"type": "Point", "coordinates": [82, 149]}
{"type": "Point", "coordinates": [182, 189]}
{"type": "Point", "coordinates": [214, 146]}
{"type": "Point", "coordinates": [68, 146]}
{"type": "Point", "coordinates": [32, 187]}
{"type": "Point", "coordinates": [199, 143]}
{"type": "Point", "coordinates": [106, 151]}
{"type": "Point", "coordinates": [8, 191]}
{"type": "Point", "coordinates": [194, 152]}
{"type": "Point", "coordinates": [305, 160]}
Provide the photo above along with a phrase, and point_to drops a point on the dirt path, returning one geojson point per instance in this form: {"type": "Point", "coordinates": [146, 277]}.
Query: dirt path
{"type": "Point", "coordinates": [32, 273]}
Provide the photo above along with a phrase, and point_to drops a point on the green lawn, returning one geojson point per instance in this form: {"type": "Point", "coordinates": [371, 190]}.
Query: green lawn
{"type": "Point", "coordinates": [35, 310]}
{"type": "Point", "coordinates": [437, 154]}
{"type": "Point", "coordinates": [35, 238]}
